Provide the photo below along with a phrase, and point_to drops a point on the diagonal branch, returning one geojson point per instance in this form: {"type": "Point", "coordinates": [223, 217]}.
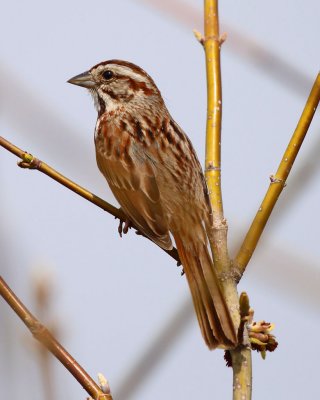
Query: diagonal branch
{"type": "Point", "coordinates": [42, 334]}
{"type": "Point", "coordinates": [278, 181]}
{"type": "Point", "coordinates": [31, 162]}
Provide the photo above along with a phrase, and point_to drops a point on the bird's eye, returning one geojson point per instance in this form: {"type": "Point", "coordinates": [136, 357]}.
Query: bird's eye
{"type": "Point", "coordinates": [107, 75]}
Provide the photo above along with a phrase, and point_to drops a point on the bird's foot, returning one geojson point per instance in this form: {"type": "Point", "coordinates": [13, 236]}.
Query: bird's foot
{"type": "Point", "coordinates": [124, 229]}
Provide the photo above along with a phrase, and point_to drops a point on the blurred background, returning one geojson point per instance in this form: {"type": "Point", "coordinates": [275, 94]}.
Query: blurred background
{"type": "Point", "coordinates": [120, 306]}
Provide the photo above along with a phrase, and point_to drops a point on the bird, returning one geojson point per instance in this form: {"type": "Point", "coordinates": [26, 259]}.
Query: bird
{"type": "Point", "coordinates": [154, 173]}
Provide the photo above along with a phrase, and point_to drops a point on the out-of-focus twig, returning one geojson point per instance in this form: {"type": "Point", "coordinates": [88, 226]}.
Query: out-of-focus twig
{"type": "Point", "coordinates": [31, 162]}
{"type": "Point", "coordinates": [250, 50]}
{"type": "Point", "coordinates": [278, 181]}
{"type": "Point", "coordinates": [42, 334]}
{"type": "Point", "coordinates": [154, 351]}
{"type": "Point", "coordinates": [42, 285]}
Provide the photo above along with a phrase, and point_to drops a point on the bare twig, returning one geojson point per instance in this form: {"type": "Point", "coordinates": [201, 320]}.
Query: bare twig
{"type": "Point", "coordinates": [42, 334]}
{"type": "Point", "coordinates": [278, 181]}
{"type": "Point", "coordinates": [31, 162]}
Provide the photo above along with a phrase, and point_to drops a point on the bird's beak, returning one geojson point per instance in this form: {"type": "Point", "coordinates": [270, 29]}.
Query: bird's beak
{"type": "Point", "coordinates": [85, 79]}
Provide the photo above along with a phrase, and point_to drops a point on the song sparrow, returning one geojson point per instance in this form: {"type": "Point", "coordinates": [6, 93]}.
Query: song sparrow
{"type": "Point", "coordinates": [154, 173]}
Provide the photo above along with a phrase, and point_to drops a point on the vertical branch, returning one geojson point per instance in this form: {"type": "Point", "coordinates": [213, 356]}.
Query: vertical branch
{"type": "Point", "coordinates": [218, 241]}
{"type": "Point", "coordinates": [214, 109]}
{"type": "Point", "coordinates": [241, 356]}
{"type": "Point", "coordinates": [212, 44]}
{"type": "Point", "coordinates": [242, 373]}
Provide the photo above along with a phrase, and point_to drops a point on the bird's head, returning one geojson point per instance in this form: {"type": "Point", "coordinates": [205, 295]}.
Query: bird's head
{"type": "Point", "coordinates": [117, 83]}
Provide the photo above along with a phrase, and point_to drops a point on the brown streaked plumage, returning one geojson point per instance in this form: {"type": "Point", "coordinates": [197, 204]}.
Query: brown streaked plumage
{"type": "Point", "coordinates": [154, 173]}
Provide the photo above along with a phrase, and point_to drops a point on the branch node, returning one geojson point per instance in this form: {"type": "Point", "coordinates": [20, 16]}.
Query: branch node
{"type": "Point", "coordinates": [223, 38]}
{"type": "Point", "coordinates": [29, 162]}
{"type": "Point", "coordinates": [219, 39]}
{"type": "Point", "coordinates": [231, 275]}
{"type": "Point", "coordinates": [198, 35]}
{"type": "Point", "coordinates": [211, 167]}
{"type": "Point", "coordinates": [273, 179]}
{"type": "Point", "coordinates": [103, 383]}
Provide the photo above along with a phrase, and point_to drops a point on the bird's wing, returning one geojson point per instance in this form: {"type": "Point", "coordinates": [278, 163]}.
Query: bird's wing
{"type": "Point", "coordinates": [131, 177]}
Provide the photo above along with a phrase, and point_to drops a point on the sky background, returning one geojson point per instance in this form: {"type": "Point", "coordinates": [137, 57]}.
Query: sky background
{"type": "Point", "coordinates": [120, 306]}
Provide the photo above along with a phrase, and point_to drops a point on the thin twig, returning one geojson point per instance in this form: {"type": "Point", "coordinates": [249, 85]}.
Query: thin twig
{"type": "Point", "coordinates": [42, 334]}
{"type": "Point", "coordinates": [31, 162]}
{"type": "Point", "coordinates": [278, 181]}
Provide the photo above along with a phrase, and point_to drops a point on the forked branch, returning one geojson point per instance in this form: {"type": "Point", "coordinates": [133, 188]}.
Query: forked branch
{"type": "Point", "coordinates": [42, 334]}
{"type": "Point", "coordinates": [212, 43]}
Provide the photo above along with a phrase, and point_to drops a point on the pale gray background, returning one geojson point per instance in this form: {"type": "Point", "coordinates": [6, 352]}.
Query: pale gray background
{"type": "Point", "coordinates": [121, 305]}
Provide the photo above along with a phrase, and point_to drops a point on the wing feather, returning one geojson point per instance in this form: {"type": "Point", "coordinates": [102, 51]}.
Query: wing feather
{"type": "Point", "coordinates": [134, 184]}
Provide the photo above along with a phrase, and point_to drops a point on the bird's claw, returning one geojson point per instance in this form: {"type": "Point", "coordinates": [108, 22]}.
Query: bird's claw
{"type": "Point", "coordinates": [124, 229]}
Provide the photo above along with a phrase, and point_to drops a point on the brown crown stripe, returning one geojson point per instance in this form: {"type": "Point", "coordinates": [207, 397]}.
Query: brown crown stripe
{"type": "Point", "coordinates": [133, 67]}
{"type": "Point", "coordinates": [134, 85]}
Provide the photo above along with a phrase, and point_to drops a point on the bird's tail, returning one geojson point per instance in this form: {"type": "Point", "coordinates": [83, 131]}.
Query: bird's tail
{"type": "Point", "coordinates": [210, 305]}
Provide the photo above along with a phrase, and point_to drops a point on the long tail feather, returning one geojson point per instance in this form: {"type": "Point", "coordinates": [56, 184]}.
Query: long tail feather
{"type": "Point", "coordinates": [210, 305]}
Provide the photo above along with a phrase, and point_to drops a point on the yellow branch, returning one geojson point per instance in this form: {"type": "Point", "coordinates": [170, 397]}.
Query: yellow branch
{"type": "Point", "coordinates": [218, 240]}
{"type": "Point", "coordinates": [212, 44]}
{"type": "Point", "coordinates": [31, 162]}
{"type": "Point", "coordinates": [278, 180]}
{"type": "Point", "coordinates": [242, 373]}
